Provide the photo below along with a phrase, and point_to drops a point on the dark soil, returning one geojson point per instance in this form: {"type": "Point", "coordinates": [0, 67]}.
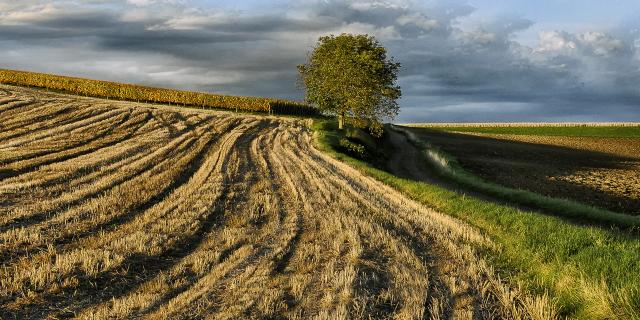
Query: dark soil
{"type": "Point", "coordinates": [603, 172]}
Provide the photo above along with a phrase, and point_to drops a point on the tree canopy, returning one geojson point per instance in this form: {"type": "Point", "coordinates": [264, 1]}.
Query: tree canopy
{"type": "Point", "coordinates": [350, 76]}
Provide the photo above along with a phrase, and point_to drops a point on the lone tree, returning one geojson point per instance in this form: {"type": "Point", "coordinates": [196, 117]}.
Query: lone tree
{"type": "Point", "coordinates": [350, 76]}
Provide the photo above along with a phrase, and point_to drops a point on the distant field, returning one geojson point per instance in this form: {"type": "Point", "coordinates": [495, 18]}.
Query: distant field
{"type": "Point", "coordinates": [598, 165]}
{"type": "Point", "coordinates": [571, 130]}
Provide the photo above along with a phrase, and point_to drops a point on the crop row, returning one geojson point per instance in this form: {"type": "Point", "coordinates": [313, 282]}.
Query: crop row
{"type": "Point", "coordinates": [130, 92]}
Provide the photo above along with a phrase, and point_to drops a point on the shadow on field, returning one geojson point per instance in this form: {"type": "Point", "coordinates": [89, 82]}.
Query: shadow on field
{"type": "Point", "coordinates": [600, 179]}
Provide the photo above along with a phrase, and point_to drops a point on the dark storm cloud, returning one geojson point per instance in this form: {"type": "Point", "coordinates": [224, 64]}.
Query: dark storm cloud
{"type": "Point", "coordinates": [454, 69]}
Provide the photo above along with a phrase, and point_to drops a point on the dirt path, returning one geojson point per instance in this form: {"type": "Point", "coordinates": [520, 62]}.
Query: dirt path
{"type": "Point", "coordinates": [405, 160]}
{"type": "Point", "coordinates": [219, 215]}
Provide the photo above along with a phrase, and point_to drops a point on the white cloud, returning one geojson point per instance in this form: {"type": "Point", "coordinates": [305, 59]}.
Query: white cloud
{"type": "Point", "coordinates": [550, 41]}
{"type": "Point", "coordinates": [194, 20]}
{"type": "Point", "coordinates": [449, 58]}
{"type": "Point", "coordinates": [366, 5]}
{"type": "Point", "coordinates": [590, 42]}
{"type": "Point", "coordinates": [479, 36]}
{"type": "Point", "coordinates": [418, 20]}
{"type": "Point", "coordinates": [30, 14]}
{"type": "Point", "coordinates": [143, 3]}
{"type": "Point", "coordinates": [600, 43]}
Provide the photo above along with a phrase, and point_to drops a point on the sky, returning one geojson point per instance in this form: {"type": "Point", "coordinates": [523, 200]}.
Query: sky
{"type": "Point", "coordinates": [462, 60]}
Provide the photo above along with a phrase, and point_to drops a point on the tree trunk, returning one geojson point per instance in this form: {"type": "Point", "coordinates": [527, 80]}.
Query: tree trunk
{"type": "Point", "coordinates": [341, 121]}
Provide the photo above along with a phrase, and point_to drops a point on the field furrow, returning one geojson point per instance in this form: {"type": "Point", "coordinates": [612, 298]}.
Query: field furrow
{"type": "Point", "coordinates": [155, 178]}
{"type": "Point", "coordinates": [31, 109]}
{"type": "Point", "coordinates": [113, 132]}
{"type": "Point", "coordinates": [45, 117]}
{"type": "Point", "coordinates": [52, 180]}
{"type": "Point", "coordinates": [128, 211]}
{"type": "Point", "coordinates": [14, 104]}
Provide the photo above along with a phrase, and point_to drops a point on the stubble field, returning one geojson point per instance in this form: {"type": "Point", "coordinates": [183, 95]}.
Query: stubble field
{"type": "Point", "coordinates": [121, 210]}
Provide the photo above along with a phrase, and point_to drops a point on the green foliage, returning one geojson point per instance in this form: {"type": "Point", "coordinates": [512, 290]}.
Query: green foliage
{"type": "Point", "coordinates": [130, 92]}
{"type": "Point", "coordinates": [355, 149]}
{"type": "Point", "coordinates": [351, 76]}
{"type": "Point", "coordinates": [612, 131]}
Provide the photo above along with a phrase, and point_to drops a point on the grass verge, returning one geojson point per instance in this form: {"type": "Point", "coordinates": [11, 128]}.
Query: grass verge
{"type": "Point", "coordinates": [590, 272]}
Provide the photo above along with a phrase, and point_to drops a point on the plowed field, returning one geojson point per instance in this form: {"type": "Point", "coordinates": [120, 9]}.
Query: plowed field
{"type": "Point", "coordinates": [600, 171]}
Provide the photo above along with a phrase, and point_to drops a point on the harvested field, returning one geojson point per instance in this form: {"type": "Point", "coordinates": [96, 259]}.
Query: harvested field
{"type": "Point", "coordinates": [600, 171]}
{"type": "Point", "coordinates": [121, 210]}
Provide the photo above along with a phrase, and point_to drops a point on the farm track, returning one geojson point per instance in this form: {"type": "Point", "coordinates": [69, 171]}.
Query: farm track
{"type": "Point", "coordinates": [119, 210]}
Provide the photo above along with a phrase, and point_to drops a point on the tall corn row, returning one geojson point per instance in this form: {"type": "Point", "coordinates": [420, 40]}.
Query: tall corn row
{"type": "Point", "coordinates": [120, 91]}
